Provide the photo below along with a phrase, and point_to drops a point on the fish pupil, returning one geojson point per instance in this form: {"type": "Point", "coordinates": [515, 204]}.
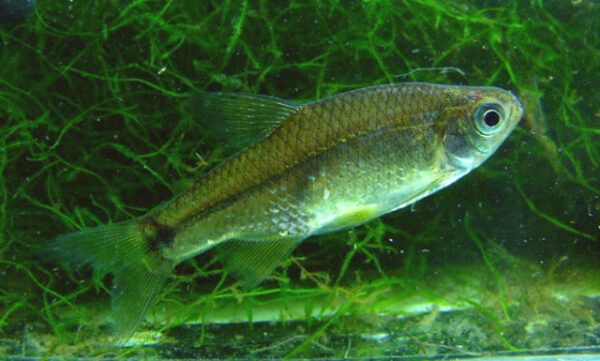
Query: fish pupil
{"type": "Point", "coordinates": [491, 118]}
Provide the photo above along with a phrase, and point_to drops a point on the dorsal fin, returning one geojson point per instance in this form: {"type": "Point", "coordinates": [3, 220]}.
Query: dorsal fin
{"type": "Point", "coordinates": [239, 120]}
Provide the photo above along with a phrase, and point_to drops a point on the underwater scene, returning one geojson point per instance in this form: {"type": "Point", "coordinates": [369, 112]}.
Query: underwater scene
{"type": "Point", "coordinates": [239, 179]}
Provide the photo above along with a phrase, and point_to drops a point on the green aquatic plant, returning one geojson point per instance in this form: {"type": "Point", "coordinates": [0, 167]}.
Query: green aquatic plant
{"type": "Point", "coordinates": [93, 131]}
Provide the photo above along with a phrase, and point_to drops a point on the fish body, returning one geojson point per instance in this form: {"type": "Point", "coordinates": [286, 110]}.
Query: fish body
{"type": "Point", "coordinates": [306, 169]}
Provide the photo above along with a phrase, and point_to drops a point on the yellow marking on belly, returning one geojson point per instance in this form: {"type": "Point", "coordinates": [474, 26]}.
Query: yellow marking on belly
{"type": "Point", "coordinates": [350, 217]}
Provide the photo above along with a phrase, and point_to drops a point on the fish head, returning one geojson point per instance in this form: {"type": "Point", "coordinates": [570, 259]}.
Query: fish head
{"type": "Point", "coordinates": [476, 126]}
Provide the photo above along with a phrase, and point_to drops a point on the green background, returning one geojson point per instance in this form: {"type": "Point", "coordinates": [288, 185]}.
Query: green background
{"type": "Point", "coordinates": [93, 130]}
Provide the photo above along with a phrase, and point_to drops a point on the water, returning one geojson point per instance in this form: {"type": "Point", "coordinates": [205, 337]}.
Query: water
{"type": "Point", "coordinates": [13, 12]}
{"type": "Point", "coordinates": [503, 264]}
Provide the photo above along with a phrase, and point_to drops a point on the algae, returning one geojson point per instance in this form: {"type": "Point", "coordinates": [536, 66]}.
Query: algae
{"type": "Point", "coordinates": [92, 130]}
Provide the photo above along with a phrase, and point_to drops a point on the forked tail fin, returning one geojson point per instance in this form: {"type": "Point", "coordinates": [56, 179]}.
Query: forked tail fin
{"type": "Point", "coordinates": [126, 250]}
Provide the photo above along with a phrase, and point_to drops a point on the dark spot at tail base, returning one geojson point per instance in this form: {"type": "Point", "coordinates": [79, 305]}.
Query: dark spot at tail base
{"type": "Point", "coordinates": [157, 235]}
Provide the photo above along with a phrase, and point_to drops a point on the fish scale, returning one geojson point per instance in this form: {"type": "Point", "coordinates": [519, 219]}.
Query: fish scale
{"type": "Point", "coordinates": [350, 115]}
{"type": "Point", "coordinates": [341, 172]}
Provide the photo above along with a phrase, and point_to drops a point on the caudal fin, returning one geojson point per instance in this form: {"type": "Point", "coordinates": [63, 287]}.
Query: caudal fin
{"type": "Point", "coordinates": [124, 250]}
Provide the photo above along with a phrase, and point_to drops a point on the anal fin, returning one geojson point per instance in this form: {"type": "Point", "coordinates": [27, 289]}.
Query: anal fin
{"type": "Point", "coordinates": [253, 261]}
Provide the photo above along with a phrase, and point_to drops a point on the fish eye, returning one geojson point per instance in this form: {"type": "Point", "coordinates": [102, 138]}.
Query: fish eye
{"type": "Point", "coordinates": [489, 118]}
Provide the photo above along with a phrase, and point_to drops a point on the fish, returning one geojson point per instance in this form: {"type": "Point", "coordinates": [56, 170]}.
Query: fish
{"type": "Point", "coordinates": [301, 170]}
